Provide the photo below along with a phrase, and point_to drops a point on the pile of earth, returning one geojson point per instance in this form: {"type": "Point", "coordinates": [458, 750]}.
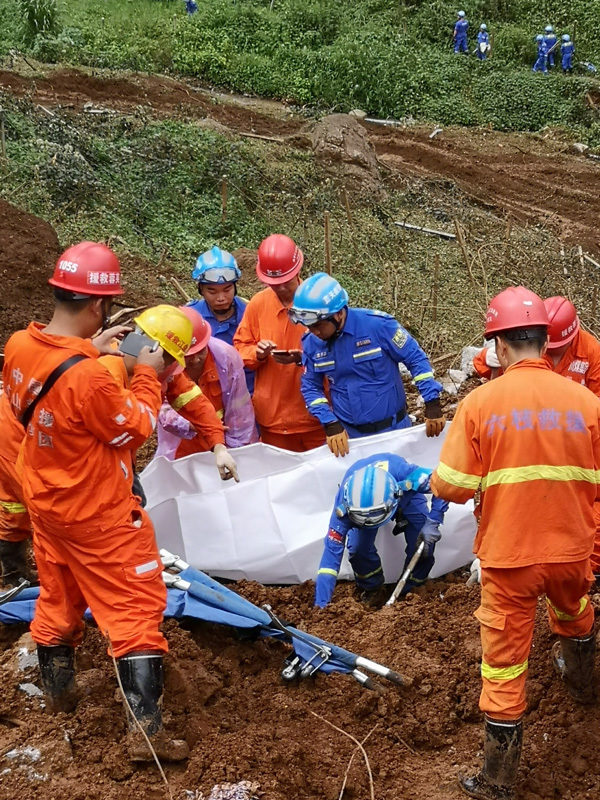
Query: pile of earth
{"type": "Point", "coordinates": [224, 694]}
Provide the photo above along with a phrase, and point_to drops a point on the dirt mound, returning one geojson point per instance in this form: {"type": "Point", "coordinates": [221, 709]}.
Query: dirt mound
{"type": "Point", "coordinates": [341, 146]}
{"type": "Point", "coordinates": [29, 249]}
{"type": "Point", "coordinates": [225, 695]}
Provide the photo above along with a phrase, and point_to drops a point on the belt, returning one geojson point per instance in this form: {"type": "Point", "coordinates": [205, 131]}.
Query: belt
{"type": "Point", "coordinates": [375, 427]}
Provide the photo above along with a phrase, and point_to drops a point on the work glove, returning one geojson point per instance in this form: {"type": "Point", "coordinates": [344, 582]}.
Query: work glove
{"type": "Point", "coordinates": [226, 463]}
{"type": "Point", "coordinates": [491, 359]}
{"type": "Point", "coordinates": [419, 480]}
{"type": "Point", "coordinates": [475, 576]}
{"type": "Point", "coordinates": [434, 418]}
{"type": "Point", "coordinates": [431, 532]}
{"type": "Point", "coordinates": [337, 438]}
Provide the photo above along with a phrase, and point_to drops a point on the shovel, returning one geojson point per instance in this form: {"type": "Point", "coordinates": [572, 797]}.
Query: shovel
{"type": "Point", "coordinates": [407, 572]}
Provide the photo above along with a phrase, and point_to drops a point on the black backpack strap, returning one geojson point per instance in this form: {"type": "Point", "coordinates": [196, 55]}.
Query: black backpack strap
{"type": "Point", "coordinates": [49, 383]}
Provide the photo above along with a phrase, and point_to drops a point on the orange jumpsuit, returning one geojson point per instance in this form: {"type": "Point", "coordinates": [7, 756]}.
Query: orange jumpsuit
{"type": "Point", "coordinates": [580, 363]}
{"type": "Point", "coordinates": [279, 407]}
{"type": "Point", "coordinates": [211, 389]}
{"type": "Point", "coordinates": [93, 544]}
{"type": "Point", "coordinates": [531, 441]}
{"type": "Point", "coordinates": [15, 525]}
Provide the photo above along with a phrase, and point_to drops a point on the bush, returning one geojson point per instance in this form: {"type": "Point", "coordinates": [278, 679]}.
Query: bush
{"type": "Point", "coordinates": [38, 17]}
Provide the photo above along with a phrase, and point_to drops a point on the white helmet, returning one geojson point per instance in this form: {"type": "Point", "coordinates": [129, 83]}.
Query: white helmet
{"type": "Point", "coordinates": [461, 14]}
{"type": "Point", "coordinates": [483, 27]}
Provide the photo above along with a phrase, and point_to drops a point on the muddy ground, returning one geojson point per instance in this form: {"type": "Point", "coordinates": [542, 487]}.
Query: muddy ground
{"type": "Point", "coordinates": [225, 695]}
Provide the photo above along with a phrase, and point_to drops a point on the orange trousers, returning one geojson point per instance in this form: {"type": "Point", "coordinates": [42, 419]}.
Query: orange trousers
{"type": "Point", "coordinates": [595, 557]}
{"type": "Point", "coordinates": [15, 525]}
{"type": "Point", "coordinates": [296, 442]}
{"type": "Point", "coordinates": [507, 616]}
{"type": "Point", "coordinates": [116, 572]}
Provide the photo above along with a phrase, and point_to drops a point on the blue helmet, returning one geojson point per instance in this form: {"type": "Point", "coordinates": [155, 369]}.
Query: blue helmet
{"type": "Point", "coordinates": [370, 497]}
{"type": "Point", "coordinates": [461, 14]}
{"type": "Point", "coordinates": [317, 299]}
{"type": "Point", "coordinates": [539, 38]}
{"type": "Point", "coordinates": [549, 29]}
{"type": "Point", "coordinates": [565, 37]}
{"type": "Point", "coordinates": [216, 266]}
{"type": "Point", "coordinates": [483, 27]}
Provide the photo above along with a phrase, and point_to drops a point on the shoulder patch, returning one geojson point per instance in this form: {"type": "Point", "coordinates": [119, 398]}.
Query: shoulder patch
{"type": "Point", "coordinates": [400, 337]}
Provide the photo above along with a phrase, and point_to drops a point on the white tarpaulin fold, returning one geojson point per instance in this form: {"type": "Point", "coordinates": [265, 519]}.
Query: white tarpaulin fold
{"type": "Point", "coordinates": [270, 527]}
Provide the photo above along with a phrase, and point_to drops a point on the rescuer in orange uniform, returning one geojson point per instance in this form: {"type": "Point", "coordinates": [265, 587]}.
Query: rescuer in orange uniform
{"type": "Point", "coordinates": [217, 368]}
{"type": "Point", "coordinates": [531, 442]}
{"type": "Point", "coordinates": [94, 545]}
{"type": "Point", "coordinates": [269, 343]}
{"type": "Point", "coordinates": [179, 390]}
{"type": "Point", "coordinates": [571, 352]}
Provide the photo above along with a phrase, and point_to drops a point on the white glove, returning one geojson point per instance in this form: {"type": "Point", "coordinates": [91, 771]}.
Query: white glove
{"type": "Point", "coordinates": [475, 576]}
{"type": "Point", "coordinates": [491, 359]}
{"type": "Point", "coordinates": [226, 463]}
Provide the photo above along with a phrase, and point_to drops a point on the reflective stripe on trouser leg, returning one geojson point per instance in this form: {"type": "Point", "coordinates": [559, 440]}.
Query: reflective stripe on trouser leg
{"type": "Point", "coordinates": [364, 559]}
{"type": "Point", "coordinates": [570, 612]}
{"type": "Point", "coordinates": [507, 616]}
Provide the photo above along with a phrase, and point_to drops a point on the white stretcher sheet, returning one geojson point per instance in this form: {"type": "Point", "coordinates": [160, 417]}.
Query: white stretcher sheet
{"type": "Point", "coordinates": [270, 527]}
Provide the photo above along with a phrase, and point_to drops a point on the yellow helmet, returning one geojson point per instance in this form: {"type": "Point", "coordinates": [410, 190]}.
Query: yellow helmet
{"type": "Point", "coordinates": [169, 327]}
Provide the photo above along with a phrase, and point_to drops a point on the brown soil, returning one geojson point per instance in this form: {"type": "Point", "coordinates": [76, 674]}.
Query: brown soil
{"type": "Point", "coordinates": [242, 722]}
{"type": "Point", "coordinates": [529, 177]}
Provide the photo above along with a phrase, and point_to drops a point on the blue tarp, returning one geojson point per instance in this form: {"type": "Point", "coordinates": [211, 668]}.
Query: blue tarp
{"type": "Point", "coordinates": [217, 604]}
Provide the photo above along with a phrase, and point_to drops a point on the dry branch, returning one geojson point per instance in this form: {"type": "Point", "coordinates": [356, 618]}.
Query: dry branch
{"type": "Point", "coordinates": [175, 283]}
{"type": "Point", "coordinates": [430, 231]}
{"type": "Point", "coordinates": [356, 742]}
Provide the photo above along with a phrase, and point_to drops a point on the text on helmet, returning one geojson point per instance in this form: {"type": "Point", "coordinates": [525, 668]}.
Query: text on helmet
{"type": "Point", "coordinates": [68, 266]}
{"type": "Point", "coordinates": [104, 278]}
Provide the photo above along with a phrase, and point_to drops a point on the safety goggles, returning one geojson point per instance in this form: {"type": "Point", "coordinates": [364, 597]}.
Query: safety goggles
{"type": "Point", "coordinates": [215, 275]}
{"type": "Point", "coordinates": [369, 518]}
{"type": "Point", "coordinates": [308, 318]}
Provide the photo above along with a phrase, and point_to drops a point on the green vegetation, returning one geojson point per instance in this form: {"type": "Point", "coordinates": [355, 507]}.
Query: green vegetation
{"type": "Point", "coordinates": [391, 59]}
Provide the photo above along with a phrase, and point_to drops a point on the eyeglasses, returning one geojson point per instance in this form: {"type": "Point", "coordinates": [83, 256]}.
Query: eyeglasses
{"type": "Point", "coordinates": [369, 518]}
{"type": "Point", "coordinates": [216, 275]}
{"type": "Point", "coordinates": [308, 318]}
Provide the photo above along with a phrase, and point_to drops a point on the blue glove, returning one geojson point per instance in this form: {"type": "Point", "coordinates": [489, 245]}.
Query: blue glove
{"type": "Point", "coordinates": [418, 481]}
{"type": "Point", "coordinates": [431, 532]}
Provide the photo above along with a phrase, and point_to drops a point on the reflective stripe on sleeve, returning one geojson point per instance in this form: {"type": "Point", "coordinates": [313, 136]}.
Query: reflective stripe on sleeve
{"type": "Point", "coordinates": [462, 479]}
{"type": "Point", "coordinates": [186, 398]}
{"type": "Point", "coordinates": [220, 413]}
{"type": "Point", "coordinates": [319, 402]}
{"type": "Point", "coordinates": [567, 617]}
{"type": "Point", "coordinates": [423, 376]}
{"type": "Point", "coordinates": [327, 571]}
{"type": "Point", "coordinates": [503, 673]}
{"type": "Point", "coordinates": [539, 472]}
{"type": "Point", "coordinates": [12, 508]}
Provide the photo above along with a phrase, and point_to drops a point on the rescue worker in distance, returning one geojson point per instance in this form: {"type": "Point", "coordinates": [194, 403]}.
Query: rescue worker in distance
{"type": "Point", "coordinates": [94, 544]}
{"type": "Point", "coordinates": [373, 491]}
{"type": "Point", "coordinates": [218, 369]}
{"type": "Point", "coordinates": [530, 441]}
{"type": "Point", "coordinates": [270, 345]}
{"type": "Point", "coordinates": [567, 49]}
{"type": "Point", "coordinates": [483, 42]}
{"type": "Point", "coordinates": [541, 64]}
{"type": "Point", "coordinates": [460, 34]}
{"type": "Point", "coordinates": [217, 273]}
{"type": "Point", "coordinates": [550, 42]}
{"type": "Point", "coordinates": [357, 351]}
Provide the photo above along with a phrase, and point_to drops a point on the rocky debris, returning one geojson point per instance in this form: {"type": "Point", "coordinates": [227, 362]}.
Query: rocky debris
{"type": "Point", "coordinates": [466, 360]}
{"type": "Point", "coordinates": [341, 146]}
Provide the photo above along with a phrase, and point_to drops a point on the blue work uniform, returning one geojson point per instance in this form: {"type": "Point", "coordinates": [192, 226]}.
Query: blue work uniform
{"type": "Point", "coordinates": [550, 41]}
{"type": "Point", "coordinates": [361, 367]}
{"type": "Point", "coordinates": [225, 329]}
{"type": "Point", "coordinates": [191, 7]}
{"type": "Point", "coordinates": [412, 513]}
{"type": "Point", "coordinates": [483, 37]}
{"type": "Point", "coordinates": [460, 36]}
{"type": "Point", "coordinates": [566, 51]}
{"type": "Point", "coordinates": [541, 65]}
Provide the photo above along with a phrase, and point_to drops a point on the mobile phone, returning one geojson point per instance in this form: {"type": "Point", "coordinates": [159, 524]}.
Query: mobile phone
{"type": "Point", "coordinates": [133, 343]}
{"type": "Point", "coordinates": [280, 352]}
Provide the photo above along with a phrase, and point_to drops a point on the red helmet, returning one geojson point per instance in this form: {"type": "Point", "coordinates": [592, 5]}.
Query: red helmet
{"type": "Point", "coordinates": [201, 331]}
{"type": "Point", "coordinates": [515, 307]}
{"type": "Point", "coordinates": [564, 322]}
{"type": "Point", "coordinates": [89, 269]}
{"type": "Point", "coordinates": [279, 259]}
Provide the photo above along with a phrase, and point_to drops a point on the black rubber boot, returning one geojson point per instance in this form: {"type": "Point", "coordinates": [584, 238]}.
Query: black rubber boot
{"type": "Point", "coordinates": [57, 669]}
{"type": "Point", "coordinates": [502, 754]}
{"type": "Point", "coordinates": [13, 558]}
{"type": "Point", "coordinates": [143, 681]}
{"type": "Point", "coordinates": [574, 661]}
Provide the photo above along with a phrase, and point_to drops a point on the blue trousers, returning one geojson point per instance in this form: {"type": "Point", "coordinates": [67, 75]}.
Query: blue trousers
{"type": "Point", "coordinates": [481, 56]}
{"type": "Point", "coordinates": [460, 45]}
{"type": "Point", "coordinates": [541, 65]}
{"type": "Point", "coordinates": [567, 62]}
{"type": "Point", "coordinates": [366, 563]}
